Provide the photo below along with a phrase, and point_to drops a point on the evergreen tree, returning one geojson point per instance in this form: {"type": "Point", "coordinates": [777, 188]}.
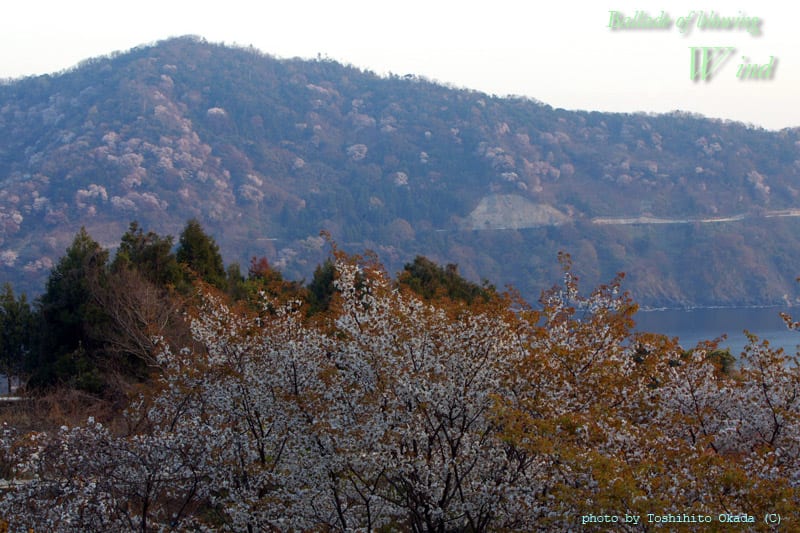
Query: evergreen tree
{"type": "Point", "coordinates": [68, 314]}
{"type": "Point", "coordinates": [16, 323]}
{"type": "Point", "coordinates": [430, 281]}
{"type": "Point", "coordinates": [200, 253]}
{"type": "Point", "coordinates": [321, 288]}
{"type": "Point", "coordinates": [150, 254]}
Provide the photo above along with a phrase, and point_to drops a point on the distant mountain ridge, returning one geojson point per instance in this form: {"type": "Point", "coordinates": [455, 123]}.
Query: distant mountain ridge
{"type": "Point", "coordinates": [266, 153]}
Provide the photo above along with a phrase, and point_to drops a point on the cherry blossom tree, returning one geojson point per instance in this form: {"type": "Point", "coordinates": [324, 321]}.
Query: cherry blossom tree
{"type": "Point", "coordinates": [387, 412]}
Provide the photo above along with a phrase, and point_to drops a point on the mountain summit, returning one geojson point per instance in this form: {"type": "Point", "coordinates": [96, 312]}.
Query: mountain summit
{"type": "Point", "coordinates": [266, 153]}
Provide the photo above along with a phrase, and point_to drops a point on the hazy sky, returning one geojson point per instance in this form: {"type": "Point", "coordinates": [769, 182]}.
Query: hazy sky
{"type": "Point", "coordinates": [561, 53]}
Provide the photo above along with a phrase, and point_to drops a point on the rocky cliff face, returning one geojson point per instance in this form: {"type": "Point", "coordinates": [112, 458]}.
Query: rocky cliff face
{"type": "Point", "coordinates": [512, 211]}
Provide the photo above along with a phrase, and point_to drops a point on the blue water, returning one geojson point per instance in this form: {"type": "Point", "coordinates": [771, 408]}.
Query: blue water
{"type": "Point", "coordinates": [694, 325]}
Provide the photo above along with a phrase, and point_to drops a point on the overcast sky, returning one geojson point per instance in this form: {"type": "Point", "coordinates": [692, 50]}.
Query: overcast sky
{"type": "Point", "coordinates": [561, 53]}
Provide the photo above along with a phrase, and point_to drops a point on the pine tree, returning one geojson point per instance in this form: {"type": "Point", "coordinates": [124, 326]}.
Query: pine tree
{"type": "Point", "coordinates": [200, 253]}
{"type": "Point", "coordinates": [150, 254]}
{"type": "Point", "coordinates": [321, 288]}
{"type": "Point", "coordinates": [16, 322]}
{"type": "Point", "coordinates": [68, 314]}
{"type": "Point", "coordinates": [430, 281]}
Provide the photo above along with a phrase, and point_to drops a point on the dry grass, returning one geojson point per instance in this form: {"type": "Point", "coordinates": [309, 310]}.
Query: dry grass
{"type": "Point", "coordinates": [58, 407]}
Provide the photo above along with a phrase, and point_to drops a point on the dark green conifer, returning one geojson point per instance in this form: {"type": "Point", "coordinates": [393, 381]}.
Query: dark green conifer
{"type": "Point", "coordinates": [431, 281]}
{"type": "Point", "coordinates": [68, 313]}
{"type": "Point", "coordinates": [200, 253]}
{"type": "Point", "coordinates": [150, 254]}
{"type": "Point", "coordinates": [321, 288]}
{"type": "Point", "coordinates": [16, 324]}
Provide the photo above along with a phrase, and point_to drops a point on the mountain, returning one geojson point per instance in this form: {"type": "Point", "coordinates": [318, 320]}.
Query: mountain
{"type": "Point", "coordinates": [266, 153]}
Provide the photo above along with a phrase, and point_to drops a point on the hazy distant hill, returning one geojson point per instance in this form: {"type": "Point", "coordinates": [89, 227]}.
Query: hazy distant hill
{"type": "Point", "coordinates": [266, 153]}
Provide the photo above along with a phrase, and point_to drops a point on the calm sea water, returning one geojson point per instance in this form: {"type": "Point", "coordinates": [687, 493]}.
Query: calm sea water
{"type": "Point", "coordinates": [693, 325]}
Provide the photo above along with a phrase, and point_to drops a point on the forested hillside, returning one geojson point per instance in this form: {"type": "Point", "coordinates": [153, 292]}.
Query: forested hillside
{"type": "Point", "coordinates": [266, 153]}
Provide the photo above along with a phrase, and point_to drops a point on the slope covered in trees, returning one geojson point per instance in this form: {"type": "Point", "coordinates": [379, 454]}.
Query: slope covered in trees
{"type": "Point", "coordinates": [266, 153]}
{"type": "Point", "coordinates": [390, 412]}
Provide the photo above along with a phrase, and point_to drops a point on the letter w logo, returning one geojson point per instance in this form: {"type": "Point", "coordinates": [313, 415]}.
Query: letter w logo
{"type": "Point", "coordinates": [707, 60]}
